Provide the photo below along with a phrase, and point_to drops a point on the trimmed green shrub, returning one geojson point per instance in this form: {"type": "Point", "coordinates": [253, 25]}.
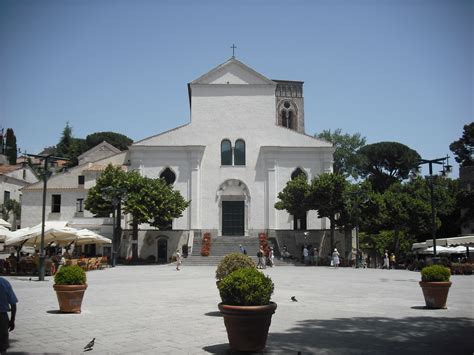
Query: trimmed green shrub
{"type": "Point", "coordinates": [435, 273]}
{"type": "Point", "coordinates": [233, 262]}
{"type": "Point", "coordinates": [246, 287]}
{"type": "Point", "coordinates": [70, 275]}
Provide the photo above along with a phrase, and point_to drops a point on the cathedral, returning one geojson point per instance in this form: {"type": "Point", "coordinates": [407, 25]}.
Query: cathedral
{"type": "Point", "coordinates": [245, 140]}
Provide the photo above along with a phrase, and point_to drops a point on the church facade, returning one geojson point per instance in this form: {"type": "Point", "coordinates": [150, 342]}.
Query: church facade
{"type": "Point", "coordinates": [245, 140]}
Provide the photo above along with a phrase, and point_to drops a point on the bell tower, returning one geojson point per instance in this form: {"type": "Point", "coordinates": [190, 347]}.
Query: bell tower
{"type": "Point", "coordinates": [290, 105]}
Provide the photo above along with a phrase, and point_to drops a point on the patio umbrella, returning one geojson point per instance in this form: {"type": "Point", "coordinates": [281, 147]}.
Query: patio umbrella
{"type": "Point", "coordinates": [439, 250]}
{"type": "Point", "coordinates": [86, 236]}
{"type": "Point", "coordinates": [53, 232]}
{"type": "Point", "coordinates": [4, 232]}
{"type": "Point", "coordinates": [4, 223]}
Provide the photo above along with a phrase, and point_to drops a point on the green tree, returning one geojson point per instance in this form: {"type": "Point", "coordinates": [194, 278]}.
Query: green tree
{"type": "Point", "coordinates": [385, 163]}
{"type": "Point", "coordinates": [327, 195]}
{"type": "Point", "coordinates": [146, 200]}
{"type": "Point", "coordinates": [64, 145]}
{"type": "Point", "coordinates": [99, 198]}
{"type": "Point", "coordinates": [11, 149]}
{"type": "Point", "coordinates": [294, 198]}
{"type": "Point", "coordinates": [118, 140]}
{"type": "Point", "coordinates": [346, 158]}
{"type": "Point", "coordinates": [463, 148]}
{"type": "Point", "coordinates": [12, 207]}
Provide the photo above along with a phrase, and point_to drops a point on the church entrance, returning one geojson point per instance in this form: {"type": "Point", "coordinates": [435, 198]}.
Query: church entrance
{"type": "Point", "coordinates": [162, 251]}
{"type": "Point", "coordinates": [233, 213]}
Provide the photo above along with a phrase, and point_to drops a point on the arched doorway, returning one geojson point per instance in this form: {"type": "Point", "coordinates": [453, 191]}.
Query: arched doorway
{"type": "Point", "coordinates": [162, 251]}
{"type": "Point", "coordinates": [234, 200]}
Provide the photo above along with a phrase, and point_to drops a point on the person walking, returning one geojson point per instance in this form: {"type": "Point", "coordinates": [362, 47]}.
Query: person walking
{"type": "Point", "coordinates": [392, 261]}
{"type": "Point", "coordinates": [335, 258]}
{"type": "Point", "coordinates": [385, 261]}
{"type": "Point", "coordinates": [261, 259]}
{"type": "Point", "coordinates": [8, 302]}
{"type": "Point", "coordinates": [270, 257]}
{"type": "Point", "coordinates": [179, 260]}
{"type": "Point", "coordinates": [305, 255]}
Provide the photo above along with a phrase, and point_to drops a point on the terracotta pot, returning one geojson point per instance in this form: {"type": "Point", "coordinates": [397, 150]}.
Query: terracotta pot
{"type": "Point", "coordinates": [247, 326]}
{"type": "Point", "coordinates": [436, 293]}
{"type": "Point", "coordinates": [70, 297]}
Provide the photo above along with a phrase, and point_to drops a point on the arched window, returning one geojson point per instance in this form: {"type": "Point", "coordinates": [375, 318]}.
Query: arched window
{"type": "Point", "coordinates": [168, 176]}
{"type": "Point", "coordinates": [239, 152]}
{"type": "Point", "coordinates": [298, 172]}
{"type": "Point", "coordinates": [226, 152]}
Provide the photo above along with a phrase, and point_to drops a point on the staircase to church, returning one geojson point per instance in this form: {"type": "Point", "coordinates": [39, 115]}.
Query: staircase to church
{"type": "Point", "coordinates": [221, 246]}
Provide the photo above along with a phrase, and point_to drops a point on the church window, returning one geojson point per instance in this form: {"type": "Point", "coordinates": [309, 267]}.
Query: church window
{"type": "Point", "coordinates": [287, 104]}
{"type": "Point", "coordinates": [239, 152]}
{"type": "Point", "coordinates": [298, 172]}
{"type": "Point", "coordinates": [169, 176]}
{"type": "Point", "coordinates": [226, 152]}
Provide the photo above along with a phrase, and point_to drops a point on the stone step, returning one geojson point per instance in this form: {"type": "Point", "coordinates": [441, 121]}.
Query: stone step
{"type": "Point", "coordinates": [213, 260]}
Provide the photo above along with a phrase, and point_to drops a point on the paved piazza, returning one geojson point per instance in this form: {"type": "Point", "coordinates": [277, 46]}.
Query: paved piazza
{"type": "Point", "coordinates": [158, 310]}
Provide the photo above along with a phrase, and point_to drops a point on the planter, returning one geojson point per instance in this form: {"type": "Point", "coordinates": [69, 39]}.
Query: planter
{"type": "Point", "coordinates": [436, 294]}
{"type": "Point", "coordinates": [247, 326]}
{"type": "Point", "coordinates": [70, 297]}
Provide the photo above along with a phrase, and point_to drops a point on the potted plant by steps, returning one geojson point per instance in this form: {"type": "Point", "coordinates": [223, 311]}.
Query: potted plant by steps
{"type": "Point", "coordinates": [246, 308]}
{"type": "Point", "coordinates": [70, 285]}
{"type": "Point", "coordinates": [232, 262]}
{"type": "Point", "coordinates": [435, 285]}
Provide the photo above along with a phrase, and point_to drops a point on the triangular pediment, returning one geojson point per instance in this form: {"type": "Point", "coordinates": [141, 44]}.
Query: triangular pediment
{"type": "Point", "coordinates": [233, 72]}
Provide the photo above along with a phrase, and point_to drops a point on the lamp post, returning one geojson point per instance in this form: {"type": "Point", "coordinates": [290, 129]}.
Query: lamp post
{"type": "Point", "coordinates": [446, 169]}
{"type": "Point", "coordinates": [357, 202]}
{"type": "Point", "coordinates": [47, 159]}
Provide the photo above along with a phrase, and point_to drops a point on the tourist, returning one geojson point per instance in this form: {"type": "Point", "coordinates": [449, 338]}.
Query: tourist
{"type": "Point", "coordinates": [305, 255]}
{"type": "Point", "coordinates": [8, 302]}
{"type": "Point", "coordinates": [316, 256]}
{"type": "Point", "coordinates": [261, 259]}
{"type": "Point", "coordinates": [385, 261]}
{"type": "Point", "coordinates": [270, 257]}
{"type": "Point", "coordinates": [335, 258]}
{"type": "Point", "coordinates": [311, 254]}
{"type": "Point", "coordinates": [178, 259]}
{"type": "Point", "coordinates": [392, 261]}
{"type": "Point", "coordinates": [242, 249]}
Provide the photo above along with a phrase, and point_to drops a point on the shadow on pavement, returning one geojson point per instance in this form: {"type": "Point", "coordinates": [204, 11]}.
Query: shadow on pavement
{"type": "Point", "coordinates": [213, 314]}
{"type": "Point", "coordinates": [365, 335]}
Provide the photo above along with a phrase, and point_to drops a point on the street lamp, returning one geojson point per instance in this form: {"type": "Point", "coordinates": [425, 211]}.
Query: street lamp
{"type": "Point", "coordinates": [446, 170]}
{"type": "Point", "coordinates": [47, 159]}
{"type": "Point", "coordinates": [357, 201]}
{"type": "Point", "coordinates": [115, 196]}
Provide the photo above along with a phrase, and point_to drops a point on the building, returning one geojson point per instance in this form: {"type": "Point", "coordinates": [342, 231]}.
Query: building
{"type": "Point", "coordinates": [12, 179]}
{"type": "Point", "coordinates": [244, 142]}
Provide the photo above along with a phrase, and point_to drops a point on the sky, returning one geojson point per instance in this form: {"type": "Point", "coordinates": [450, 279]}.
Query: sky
{"type": "Point", "coordinates": [392, 70]}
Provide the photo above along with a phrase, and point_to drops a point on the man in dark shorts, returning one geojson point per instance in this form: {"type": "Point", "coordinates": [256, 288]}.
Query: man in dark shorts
{"type": "Point", "coordinates": [8, 301]}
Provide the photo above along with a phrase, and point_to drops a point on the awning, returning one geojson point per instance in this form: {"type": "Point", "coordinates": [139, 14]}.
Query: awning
{"type": "Point", "coordinates": [4, 223]}
{"type": "Point", "coordinates": [465, 240]}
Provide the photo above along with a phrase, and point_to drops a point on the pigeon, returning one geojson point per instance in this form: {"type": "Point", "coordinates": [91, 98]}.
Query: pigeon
{"type": "Point", "coordinates": [293, 298]}
{"type": "Point", "coordinates": [89, 346]}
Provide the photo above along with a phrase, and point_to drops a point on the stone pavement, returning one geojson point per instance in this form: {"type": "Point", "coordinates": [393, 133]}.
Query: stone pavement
{"type": "Point", "coordinates": [158, 310]}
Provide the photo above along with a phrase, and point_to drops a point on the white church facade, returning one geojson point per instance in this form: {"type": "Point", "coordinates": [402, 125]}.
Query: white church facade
{"type": "Point", "coordinates": [244, 141]}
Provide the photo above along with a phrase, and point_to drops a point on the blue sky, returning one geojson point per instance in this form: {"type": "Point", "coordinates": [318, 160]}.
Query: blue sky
{"type": "Point", "coordinates": [391, 70]}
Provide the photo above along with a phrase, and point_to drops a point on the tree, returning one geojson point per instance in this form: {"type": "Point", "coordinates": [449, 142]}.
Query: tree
{"type": "Point", "coordinates": [385, 163]}
{"type": "Point", "coordinates": [294, 198]}
{"type": "Point", "coordinates": [64, 145]}
{"type": "Point", "coordinates": [327, 196]}
{"type": "Point", "coordinates": [147, 200]}
{"type": "Point", "coordinates": [10, 147]}
{"type": "Point", "coordinates": [346, 158]}
{"type": "Point", "coordinates": [12, 207]}
{"type": "Point", "coordinates": [463, 148]}
{"type": "Point", "coordinates": [118, 140]}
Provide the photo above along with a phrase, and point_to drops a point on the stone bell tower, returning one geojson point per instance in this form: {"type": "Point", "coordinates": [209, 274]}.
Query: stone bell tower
{"type": "Point", "coordinates": [290, 105]}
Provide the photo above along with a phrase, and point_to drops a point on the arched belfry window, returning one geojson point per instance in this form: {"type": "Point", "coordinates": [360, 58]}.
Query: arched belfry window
{"type": "Point", "coordinates": [169, 176]}
{"type": "Point", "coordinates": [239, 152]}
{"type": "Point", "coordinates": [298, 172]}
{"type": "Point", "coordinates": [287, 115]}
{"type": "Point", "coordinates": [226, 152]}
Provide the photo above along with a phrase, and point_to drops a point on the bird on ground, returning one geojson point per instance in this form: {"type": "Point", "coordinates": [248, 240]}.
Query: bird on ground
{"type": "Point", "coordinates": [293, 298]}
{"type": "Point", "coordinates": [90, 345]}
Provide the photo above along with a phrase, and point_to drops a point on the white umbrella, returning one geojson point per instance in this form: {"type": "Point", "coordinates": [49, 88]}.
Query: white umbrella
{"type": "Point", "coordinates": [4, 232]}
{"type": "Point", "coordinates": [86, 236]}
{"type": "Point", "coordinates": [4, 223]}
{"type": "Point", "coordinates": [53, 232]}
{"type": "Point", "coordinates": [439, 250]}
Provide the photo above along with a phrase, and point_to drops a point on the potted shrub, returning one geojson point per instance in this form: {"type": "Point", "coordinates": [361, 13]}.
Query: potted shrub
{"type": "Point", "coordinates": [435, 285]}
{"type": "Point", "coordinates": [70, 285]}
{"type": "Point", "coordinates": [231, 263]}
{"type": "Point", "coordinates": [246, 308]}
